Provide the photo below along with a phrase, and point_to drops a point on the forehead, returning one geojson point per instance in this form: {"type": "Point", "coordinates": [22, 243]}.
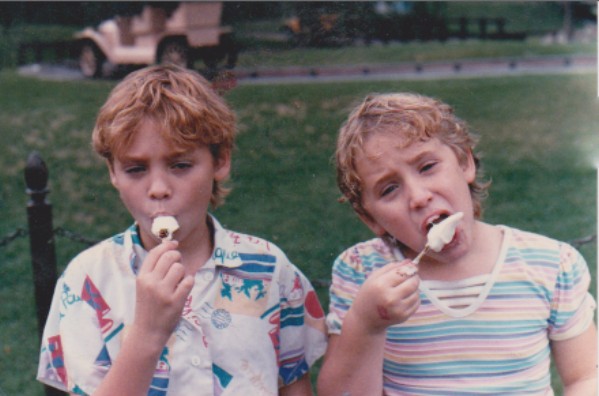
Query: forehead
{"type": "Point", "coordinates": [150, 136]}
{"type": "Point", "coordinates": [386, 152]}
{"type": "Point", "coordinates": [376, 143]}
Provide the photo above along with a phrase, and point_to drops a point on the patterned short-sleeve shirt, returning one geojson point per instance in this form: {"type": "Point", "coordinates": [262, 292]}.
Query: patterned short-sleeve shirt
{"type": "Point", "coordinates": [484, 335]}
{"type": "Point", "coordinates": [251, 324]}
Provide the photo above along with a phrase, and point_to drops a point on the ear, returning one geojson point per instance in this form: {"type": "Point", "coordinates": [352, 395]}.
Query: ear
{"type": "Point", "coordinates": [222, 166]}
{"type": "Point", "coordinates": [372, 224]}
{"type": "Point", "coordinates": [469, 167]}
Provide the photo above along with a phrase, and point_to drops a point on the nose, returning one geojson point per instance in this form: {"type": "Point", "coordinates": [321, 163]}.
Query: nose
{"type": "Point", "coordinates": [159, 187]}
{"type": "Point", "coordinates": [419, 194]}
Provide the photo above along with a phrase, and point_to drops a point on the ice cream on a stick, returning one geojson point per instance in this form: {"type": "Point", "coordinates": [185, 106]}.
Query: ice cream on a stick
{"type": "Point", "coordinates": [164, 227]}
{"type": "Point", "coordinates": [440, 235]}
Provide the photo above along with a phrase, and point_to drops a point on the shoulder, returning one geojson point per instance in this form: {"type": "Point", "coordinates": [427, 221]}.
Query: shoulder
{"type": "Point", "coordinates": [256, 254]}
{"type": "Point", "coordinates": [542, 252]}
{"type": "Point", "coordinates": [246, 244]}
{"type": "Point", "coordinates": [103, 256]}
{"type": "Point", "coordinates": [366, 256]}
{"type": "Point", "coordinates": [537, 245]}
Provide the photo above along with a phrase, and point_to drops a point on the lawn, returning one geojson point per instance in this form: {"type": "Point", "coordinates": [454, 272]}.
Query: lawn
{"type": "Point", "coordinates": [538, 138]}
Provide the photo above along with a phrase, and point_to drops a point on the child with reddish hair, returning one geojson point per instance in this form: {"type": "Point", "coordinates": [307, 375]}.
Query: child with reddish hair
{"type": "Point", "coordinates": [211, 311]}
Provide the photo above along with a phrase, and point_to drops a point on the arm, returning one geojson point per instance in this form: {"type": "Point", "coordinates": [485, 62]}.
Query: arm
{"type": "Point", "coordinates": [161, 291]}
{"type": "Point", "coordinates": [576, 362]}
{"type": "Point", "coordinates": [353, 363]}
{"type": "Point", "coordinates": [301, 387]}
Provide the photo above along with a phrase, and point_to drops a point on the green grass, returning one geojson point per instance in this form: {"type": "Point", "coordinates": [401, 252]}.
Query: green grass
{"type": "Point", "coordinates": [539, 143]}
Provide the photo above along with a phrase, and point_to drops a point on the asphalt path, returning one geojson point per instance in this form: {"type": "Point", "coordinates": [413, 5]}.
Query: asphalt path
{"type": "Point", "coordinates": [465, 68]}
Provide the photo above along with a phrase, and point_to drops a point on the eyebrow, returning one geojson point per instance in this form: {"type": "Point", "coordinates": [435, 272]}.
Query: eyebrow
{"type": "Point", "coordinates": [175, 154]}
{"type": "Point", "coordinates": [410, 161]}
{"type": "Point", "coordinates": [418, 157]}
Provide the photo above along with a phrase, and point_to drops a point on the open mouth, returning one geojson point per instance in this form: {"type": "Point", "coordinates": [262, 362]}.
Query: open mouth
{"type": "Point", "coordinates": [436, 220]}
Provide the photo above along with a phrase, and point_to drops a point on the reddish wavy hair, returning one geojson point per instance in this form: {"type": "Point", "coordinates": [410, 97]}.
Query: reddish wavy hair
{"type": "Point", "coordinates": [190, 114]}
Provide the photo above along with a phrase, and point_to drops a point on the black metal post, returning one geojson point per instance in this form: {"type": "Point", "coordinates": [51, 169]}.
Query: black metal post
{"type": "Point", "coordinates": [41, 241]}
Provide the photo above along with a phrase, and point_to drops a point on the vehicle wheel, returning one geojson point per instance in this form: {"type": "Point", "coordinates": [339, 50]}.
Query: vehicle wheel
{"type": "Point", "coordinates": [90, 61]}
{"type": "Point", "coordinates": [175, 52]}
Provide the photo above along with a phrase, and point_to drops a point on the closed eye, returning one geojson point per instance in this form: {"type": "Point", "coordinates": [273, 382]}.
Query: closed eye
{"type": "Point", "coordinates": [181, 165]}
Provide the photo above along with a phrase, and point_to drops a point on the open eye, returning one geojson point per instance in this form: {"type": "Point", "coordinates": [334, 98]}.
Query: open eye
{"type": "Point", "coordinates": [428, 166]}
{"type": "Point", "coordinates": [388, 189]}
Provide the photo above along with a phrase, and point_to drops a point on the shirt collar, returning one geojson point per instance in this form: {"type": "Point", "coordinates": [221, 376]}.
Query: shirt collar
{"type": "Point", "coordinates": [225, 251]}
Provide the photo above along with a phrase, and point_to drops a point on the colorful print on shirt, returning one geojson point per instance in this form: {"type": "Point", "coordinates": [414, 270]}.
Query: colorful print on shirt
{"type": "Point", "coordinates": [251, 324]}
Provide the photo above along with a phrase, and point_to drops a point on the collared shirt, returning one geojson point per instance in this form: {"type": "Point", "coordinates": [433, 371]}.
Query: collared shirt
{"type": "Point", "coordinates": [484, 335]}
{"type": "Point", "coordinates": [251, 324]}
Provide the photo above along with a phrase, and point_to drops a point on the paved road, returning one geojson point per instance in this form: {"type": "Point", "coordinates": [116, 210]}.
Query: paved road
{"type": "Point", "coordinates": [417, 71]}
{"type": "Point", "coordinates": [466, 68]}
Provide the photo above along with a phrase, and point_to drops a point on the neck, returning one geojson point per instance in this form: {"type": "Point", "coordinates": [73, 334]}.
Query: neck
{"type": "Point", "coordinates": [479, 258]}
{"type": "Point", "coordinates": [198, 247]}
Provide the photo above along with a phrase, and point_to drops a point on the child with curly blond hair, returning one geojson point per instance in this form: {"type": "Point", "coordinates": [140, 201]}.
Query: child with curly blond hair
{"type": "Point", "coordinates": [483, 315]}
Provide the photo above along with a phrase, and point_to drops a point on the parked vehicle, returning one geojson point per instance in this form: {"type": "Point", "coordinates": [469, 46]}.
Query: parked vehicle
{"type": "Point", "coordinates": [192, 31]}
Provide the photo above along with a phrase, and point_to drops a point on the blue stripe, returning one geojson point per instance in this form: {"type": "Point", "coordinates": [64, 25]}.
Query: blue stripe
{"type": "Point", "coordinates": [264, 258]}
{"type": "Point", "coordinates": [256, 268]}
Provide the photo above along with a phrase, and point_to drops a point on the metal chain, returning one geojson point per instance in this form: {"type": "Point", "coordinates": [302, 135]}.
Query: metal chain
{"type": "Point", "coordinates": [18, 233]}
{"type": "Point", "coordinates": [59, 231]}
{"type": "Point", "coordinates": [583, 241]}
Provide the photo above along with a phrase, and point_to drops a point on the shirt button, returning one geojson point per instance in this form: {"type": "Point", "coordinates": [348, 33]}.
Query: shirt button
{"type": "Point", "coordinates": [196, 361]}
{"type": "Point", "coordinates": [208, 276]}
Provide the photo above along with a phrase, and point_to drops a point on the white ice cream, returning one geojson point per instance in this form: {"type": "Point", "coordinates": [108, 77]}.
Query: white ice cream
{"type": "Point", "coordinates": [164, 227]}
{"type": "Point", "coordinates": [442, 233]}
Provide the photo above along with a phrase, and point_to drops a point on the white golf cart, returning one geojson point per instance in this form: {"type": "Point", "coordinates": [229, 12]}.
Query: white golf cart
{"type": "Point", "coordinates": [191, 32]}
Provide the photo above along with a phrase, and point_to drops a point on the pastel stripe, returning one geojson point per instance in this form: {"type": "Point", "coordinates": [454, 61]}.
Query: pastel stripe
{"type": "Point", "coordinates": [538, 292]}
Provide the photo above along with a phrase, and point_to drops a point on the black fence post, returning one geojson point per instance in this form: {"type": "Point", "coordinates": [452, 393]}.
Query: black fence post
{"type": "Point", "coordinates": [41, 241]}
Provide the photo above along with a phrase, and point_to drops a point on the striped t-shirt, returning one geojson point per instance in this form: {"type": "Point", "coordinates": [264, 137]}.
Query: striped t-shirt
{"type": "Point", "coordinates": [483, 335]}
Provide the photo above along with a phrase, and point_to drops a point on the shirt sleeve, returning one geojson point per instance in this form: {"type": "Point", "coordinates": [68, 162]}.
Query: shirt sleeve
{"type": "Point", "coordinates": [347, 277]}
{"type": "Point", "coordinates": [303, 337]}
{"type": "Point", "coordinates": [72, 344]}
{"type": "Point", "coordinates": [572, 306]}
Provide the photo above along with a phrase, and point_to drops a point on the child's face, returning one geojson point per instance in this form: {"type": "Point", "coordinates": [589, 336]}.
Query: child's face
{"type": "Point", "coordinates": [404, 189]}
{"type": "Point", "coordinates": [155, 178]}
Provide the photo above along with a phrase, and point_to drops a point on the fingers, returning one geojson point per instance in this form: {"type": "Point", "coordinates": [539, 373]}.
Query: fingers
{"type": "Point", "coordinates": [174, 275]}
{"type": "Point", "coordinates": [184, 287]}
{"type": "Point", "coordinates": [154, 255]}
{"type": "Point", "coordinates": [166, 262]}
{"type": "Point", "coordinates": [398, 272]}
{"type": "Point", "coordinates": [162, 270]}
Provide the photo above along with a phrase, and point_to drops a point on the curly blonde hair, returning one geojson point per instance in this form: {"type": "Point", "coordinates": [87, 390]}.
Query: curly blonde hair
{"type": "Point", "coordinates": [189, 112]}
{"type": "Point", "coordinates": [411, 117]}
